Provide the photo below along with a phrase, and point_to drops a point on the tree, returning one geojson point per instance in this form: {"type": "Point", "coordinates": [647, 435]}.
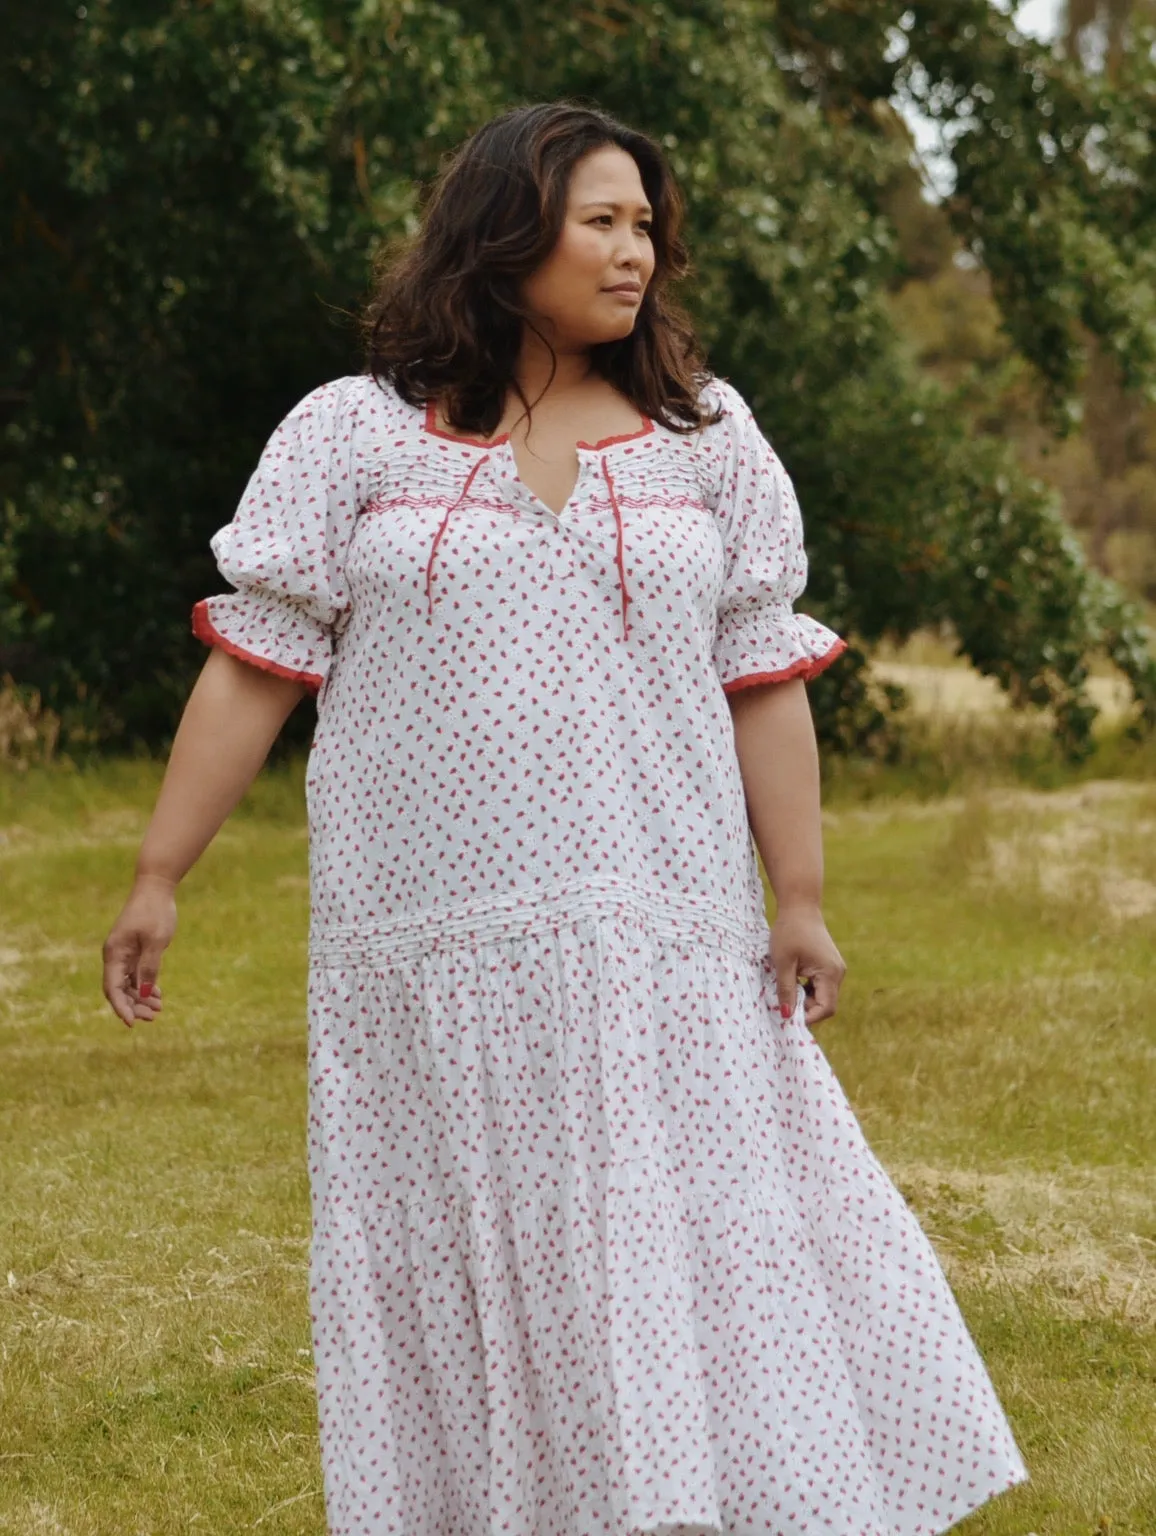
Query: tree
{"type": "Point", "coordinates": [200, 189]}
{"type": "Point", "coordinates": [1099, 29]}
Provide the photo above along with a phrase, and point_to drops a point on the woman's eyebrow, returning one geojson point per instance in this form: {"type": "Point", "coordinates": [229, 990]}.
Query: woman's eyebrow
{"type": "Point", "coordinates": [605, 202]}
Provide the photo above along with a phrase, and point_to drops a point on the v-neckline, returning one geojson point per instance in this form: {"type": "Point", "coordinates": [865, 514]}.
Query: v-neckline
{"type": "Point", "coordinates": [505, 442]}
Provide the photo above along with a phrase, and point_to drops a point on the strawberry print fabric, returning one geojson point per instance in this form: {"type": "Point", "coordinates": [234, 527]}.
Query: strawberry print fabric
{"type": "Point", "coordinates": [598, 1245]}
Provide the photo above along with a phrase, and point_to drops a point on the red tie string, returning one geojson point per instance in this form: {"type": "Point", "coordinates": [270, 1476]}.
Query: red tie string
{"type": "Point", "coordinates": [437, 536]}
{"type": "Point", "coordinates": [618, 526]}
{"type": "Point", "coordinates": [465, 491]}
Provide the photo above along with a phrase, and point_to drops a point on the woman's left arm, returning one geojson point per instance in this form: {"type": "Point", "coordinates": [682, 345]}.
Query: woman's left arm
{"type": "Point", "coordinates": [779, 761]}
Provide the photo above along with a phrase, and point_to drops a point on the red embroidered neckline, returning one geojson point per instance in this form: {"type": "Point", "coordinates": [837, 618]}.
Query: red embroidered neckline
{"type": "Point", "coordinates": [452, 437]}
{"type": "Point", "coordinates": [644, 430]}
{"type": "Point", "coordinates": [434, 430]}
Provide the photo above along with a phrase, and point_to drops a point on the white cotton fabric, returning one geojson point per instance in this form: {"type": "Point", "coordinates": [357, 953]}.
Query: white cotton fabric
{"type": "Point", "coordinates": [598, 1244]}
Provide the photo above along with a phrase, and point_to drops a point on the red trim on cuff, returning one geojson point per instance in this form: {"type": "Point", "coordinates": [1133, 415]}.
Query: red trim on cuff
{"type": "Point", "coordinates": [204, 630]}
{"type": "Point", "coordinates": [806, 668]}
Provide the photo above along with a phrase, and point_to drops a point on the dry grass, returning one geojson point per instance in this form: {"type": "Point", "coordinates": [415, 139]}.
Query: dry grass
{"type": "Point", "coordinates": [997, 1036]}
{"type": "Point", "coordinates": [29, 733]}
{"type": "Point", "coordinates": [960, 690]}
{"type": "Point", "coordinates": [1082, 1237]}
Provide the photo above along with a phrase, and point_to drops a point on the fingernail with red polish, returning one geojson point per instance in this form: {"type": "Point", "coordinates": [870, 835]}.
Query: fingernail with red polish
{"type": "Point", "coordinates": [786, 1012]}
{"type": "Point", "coordinates": [146, 988]}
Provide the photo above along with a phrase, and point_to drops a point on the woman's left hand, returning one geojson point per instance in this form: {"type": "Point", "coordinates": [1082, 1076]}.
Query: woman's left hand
{"type": "Point", "coordinates": [802, 950]}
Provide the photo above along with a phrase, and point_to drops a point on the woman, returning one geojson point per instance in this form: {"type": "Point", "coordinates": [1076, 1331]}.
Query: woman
{"type": "Point", "coordinates": [598, 1245]}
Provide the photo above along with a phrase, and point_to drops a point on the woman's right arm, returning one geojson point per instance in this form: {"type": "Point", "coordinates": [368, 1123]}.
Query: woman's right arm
{"type": "Point", "coordinates": [233, 716]}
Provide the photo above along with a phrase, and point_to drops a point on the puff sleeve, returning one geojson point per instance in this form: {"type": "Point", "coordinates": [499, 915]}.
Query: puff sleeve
{"type": "Point", "coordinates": [759, 637]}
{"type": "Point", "coordinates": [284, 550]}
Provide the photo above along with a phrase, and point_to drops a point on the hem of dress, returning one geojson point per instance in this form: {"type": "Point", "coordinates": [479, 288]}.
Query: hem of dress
{"type": "Point", "coordinates": [953, 1501]}
{"type": "Point", "coordinates": [968, 1504]}
{"type": "Point", "coordinates": [806, 667]}
{"type": "Point", "coordinates": [205, 630]}
{"type": "Point", "coordinates": [956, 1510]}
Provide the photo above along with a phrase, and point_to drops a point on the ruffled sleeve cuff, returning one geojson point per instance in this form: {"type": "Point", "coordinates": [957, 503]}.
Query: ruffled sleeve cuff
{"type": "Point", "coordinates": [772, 646]}
{"type": "Point", "coordinates": [269, 632]}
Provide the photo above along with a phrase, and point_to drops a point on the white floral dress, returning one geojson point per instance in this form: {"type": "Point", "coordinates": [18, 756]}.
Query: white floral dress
{"type": "Point", "coordinates": [598, 1244]}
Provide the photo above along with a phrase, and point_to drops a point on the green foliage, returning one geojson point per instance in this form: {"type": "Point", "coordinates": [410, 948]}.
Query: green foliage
{"type": "Point", "coordinates": [199, 191]}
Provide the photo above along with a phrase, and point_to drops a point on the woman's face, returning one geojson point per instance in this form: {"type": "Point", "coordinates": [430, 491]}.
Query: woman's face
{"type": "Point", "coordinates": [604, 244]}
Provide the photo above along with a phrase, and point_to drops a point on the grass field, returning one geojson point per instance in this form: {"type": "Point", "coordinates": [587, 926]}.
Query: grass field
{"type": "Point", "coordinates": [997, 1036]}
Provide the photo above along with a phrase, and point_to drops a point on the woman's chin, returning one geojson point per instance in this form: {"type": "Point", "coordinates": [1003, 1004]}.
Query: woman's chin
{"type": "Point", "coordinates": [603, 332]}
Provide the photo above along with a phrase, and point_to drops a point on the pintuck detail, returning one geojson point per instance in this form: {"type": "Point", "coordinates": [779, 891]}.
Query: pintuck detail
{"type": "Point", "coordinates": [598, 1245]}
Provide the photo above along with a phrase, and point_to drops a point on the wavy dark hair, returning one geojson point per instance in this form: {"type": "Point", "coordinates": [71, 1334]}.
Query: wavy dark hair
{"type": "Point", "coordinates": [445, 320]}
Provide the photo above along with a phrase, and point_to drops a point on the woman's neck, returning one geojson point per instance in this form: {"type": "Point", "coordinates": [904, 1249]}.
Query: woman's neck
{"type": "Point", "coordinates": [533, 370]}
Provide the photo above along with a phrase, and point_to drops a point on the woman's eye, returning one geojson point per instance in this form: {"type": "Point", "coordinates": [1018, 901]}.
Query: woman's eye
{"type": "Point", "coordinates": [607, 218]}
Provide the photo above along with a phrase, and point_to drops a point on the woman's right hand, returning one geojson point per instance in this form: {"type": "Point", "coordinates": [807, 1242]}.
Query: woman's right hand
{"type": "Point", "coordinates": [133, 949]}
{"type": "Point", "coordinates": [233, 716]}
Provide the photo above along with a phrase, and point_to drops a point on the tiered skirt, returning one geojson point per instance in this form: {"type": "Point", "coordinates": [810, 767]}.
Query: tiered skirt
{"type": "Point", "coordinates": [599, 1248]}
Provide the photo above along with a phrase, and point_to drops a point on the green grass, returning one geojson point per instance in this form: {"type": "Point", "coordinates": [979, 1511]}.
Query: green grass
{"type": "Point", "coordinates": [939, 752]}
{"type": "Point", "coordinates": [996, 1034]}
